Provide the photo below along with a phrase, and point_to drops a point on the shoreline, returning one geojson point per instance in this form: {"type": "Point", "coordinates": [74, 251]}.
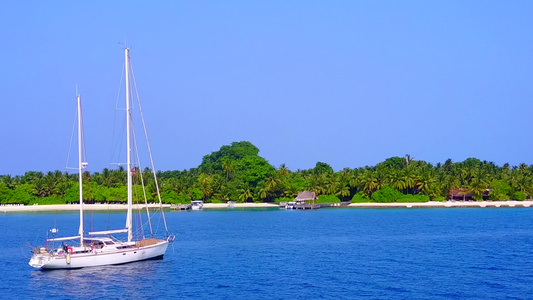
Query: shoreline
{"type": "Point", "coordinates": [74, 207]}
{"type": "Point", "coordinates": [446, 204]}
{"type": "Point", "coordinates": [123, 207]}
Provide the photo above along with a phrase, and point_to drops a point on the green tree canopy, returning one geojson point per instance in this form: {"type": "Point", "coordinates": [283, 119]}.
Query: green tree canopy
{"type": "Point", "coordinates": [322, 168]}
{"type": "Point", "coordinates": [234, 152]}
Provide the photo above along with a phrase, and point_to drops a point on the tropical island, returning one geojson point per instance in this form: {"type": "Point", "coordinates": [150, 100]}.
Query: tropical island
{"type": "Point", "coordinates": [237, 172]}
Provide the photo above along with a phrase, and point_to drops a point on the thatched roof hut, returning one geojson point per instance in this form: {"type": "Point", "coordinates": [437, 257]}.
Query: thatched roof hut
{"type": "Point", "coordinates": [305, 196]}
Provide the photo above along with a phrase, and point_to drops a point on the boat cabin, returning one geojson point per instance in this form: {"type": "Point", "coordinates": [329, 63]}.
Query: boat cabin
{"type": "Point", "coordinates": [97, 243]}
{"type": "Point", "coordinates": [197, 204]}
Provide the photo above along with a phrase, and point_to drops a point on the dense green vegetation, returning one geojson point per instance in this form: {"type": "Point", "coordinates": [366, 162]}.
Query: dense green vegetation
{"type": "Point", "coordinates": [237, 172]}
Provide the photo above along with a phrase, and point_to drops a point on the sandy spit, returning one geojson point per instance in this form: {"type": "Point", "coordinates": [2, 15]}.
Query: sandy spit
{"type": "Point", "coordinates": [119, 207]}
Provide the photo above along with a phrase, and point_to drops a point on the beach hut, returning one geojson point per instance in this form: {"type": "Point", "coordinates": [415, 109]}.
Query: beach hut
{"type": "Point", "coordinates": [465, 194]}
{"type": "Point", "coordinates": [306, 199]}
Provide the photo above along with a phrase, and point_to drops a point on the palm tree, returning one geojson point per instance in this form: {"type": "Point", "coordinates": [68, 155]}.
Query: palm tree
{"type": "Point", "coordinates": [369, 183]}
{"type": "Point", "coordinates": [521, 179]}
{"type": "Point", "coordinates": [449, 182]}
{"type": "Point", "coordinates": [147, 176]}
{"type": "Point", "coordinates": [478, 183]}
{"type": "Point", "coordinates": [49, 183]}
{"type": "Point", "coordinates": [283, 170]}
{"type": "Point", "coordinates": [271, 182]}
{"type": "Point", "coordinates": [106, 177]}
{"type": "Point", "coordinates": [289, 192]}
{"type": "Point", "coordinates": [205, 181]}
{"type": "Point", "coordinates": [354, 181]}
{"type": "Point", "coordinates": [409, 179]}
{"type": "Point", "coordinates": [478, 187]}
{"type": "Point", "coordinates": [245, 195]}
{"type": "Point", "coordinates": [61, 184]}
{"type": "Point", "coordinates": [119, 175]}
{"type": "Point", "coordinates": [343, 192]}
{"type": "Point", "coordinates": [228, 168]}
{"type": "Point", "coordinates": [319, 190]}
{"type": "Point", "coordinates": [32, 177]}
{"type": "Point", "coordinates": [8, 180]}
{"type": "Point", "coordinates": [465, 175]}
{"type": "Point", "coordinates": [425, 182]}
{"type": "Point", "coordinates": [263, 193]}
{"type": "Point", "coordinates": [397, 180]}
{"type": "Point", "coordinates": [331, 188]}
{"type": "Point", "coordinates": [38, 187]}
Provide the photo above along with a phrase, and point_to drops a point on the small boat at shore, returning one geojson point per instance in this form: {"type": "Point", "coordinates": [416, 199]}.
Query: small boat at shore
{"type": "Point", "coordinates": [197, 204]}
{"type": "Point", "coordinates": [290, 205]}
{"type": "Point", "coordinates": [101, 247]}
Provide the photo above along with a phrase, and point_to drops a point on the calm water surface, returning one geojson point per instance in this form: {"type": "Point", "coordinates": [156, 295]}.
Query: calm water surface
{"type": "Point", "coordinates": [272, 254]}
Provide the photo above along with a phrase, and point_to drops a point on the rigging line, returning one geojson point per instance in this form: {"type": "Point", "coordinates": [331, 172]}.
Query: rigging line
{"type": "Point", "coordinates": [118, 145]}
{"type": "Point", "coordinates": [117, 137]}
{"type": "Point", "coordinates": [112, 149]}
{"type": "Point", "coordinates": [138, 220]}
{"type": "Point", "coordinates": [138, 162]}
{"type": "Point", "coordinates": [158, 224]}
{"type": "Point", "coordinates": [149, 148]}
{"type": "Point", "coordinates": [120, 87]}
{"type": "Point", "coordinates": [148, 145]}
{"type": "Point", "coordinates": [142, 181]}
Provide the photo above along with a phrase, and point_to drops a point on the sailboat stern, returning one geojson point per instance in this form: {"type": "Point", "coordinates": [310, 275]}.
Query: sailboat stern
{"type": "Point", "coordinates": [40, 258]}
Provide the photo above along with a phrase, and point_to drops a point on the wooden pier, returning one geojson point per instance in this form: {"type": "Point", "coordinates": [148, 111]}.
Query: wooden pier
{"type": "Point", "coordinates": [181, 207]}
{"type": "Point", "coordinates": [305, 206]}
{"type": "Point", "coordinates": [296, 205]}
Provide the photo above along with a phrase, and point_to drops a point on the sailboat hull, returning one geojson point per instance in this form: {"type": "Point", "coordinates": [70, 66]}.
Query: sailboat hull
{"type": "Point", "coordinates": [95, 258]}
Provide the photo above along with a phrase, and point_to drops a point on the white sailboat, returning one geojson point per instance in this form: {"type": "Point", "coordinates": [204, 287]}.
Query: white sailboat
{"type": "Point", "coordinates": [100, 247]}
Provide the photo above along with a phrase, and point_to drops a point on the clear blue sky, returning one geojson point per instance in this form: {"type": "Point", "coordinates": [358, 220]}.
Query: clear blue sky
{"type": "Point", "coordinates": [349, 83]}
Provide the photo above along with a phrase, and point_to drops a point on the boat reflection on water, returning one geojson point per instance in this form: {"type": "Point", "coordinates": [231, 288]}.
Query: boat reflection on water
{"type": "Point", "coordinates": [111, 281]}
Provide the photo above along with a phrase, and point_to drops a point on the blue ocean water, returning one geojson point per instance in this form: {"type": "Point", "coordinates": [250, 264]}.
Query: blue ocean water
{"type": "Point", "coordinates": [446, 253]}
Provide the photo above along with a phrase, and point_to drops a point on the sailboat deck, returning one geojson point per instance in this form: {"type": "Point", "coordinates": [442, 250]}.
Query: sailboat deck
{"type": "Point", "coordinates": [146, 242]}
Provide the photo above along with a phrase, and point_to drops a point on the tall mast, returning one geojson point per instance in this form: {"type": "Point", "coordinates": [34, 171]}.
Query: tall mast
{"type": "Point", "coordinates": [80, 167]}
{"type": "Point", "coordinates": [128, 144]}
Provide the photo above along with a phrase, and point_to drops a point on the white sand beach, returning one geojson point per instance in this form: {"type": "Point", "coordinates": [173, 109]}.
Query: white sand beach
{"type": "Point", "coordinates": [118, 207]}
{"type": "Point", "coordinates": [239, 205]}
{"type": "Point", "coordinates": [115, 207]}
{"type": "Point", "coordinates": [73, 207]}
{"type": "Point", "coordinates": [434, 204]}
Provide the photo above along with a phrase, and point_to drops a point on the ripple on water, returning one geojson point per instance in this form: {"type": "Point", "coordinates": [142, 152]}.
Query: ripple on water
{"type": "Point", "coordinates": [323, 254]}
